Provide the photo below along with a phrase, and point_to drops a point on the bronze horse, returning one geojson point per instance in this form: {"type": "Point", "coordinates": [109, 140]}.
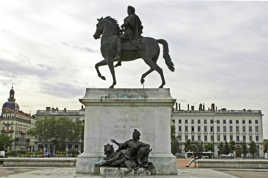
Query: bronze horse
{"type": "Point", "coordinates": [146, 48]}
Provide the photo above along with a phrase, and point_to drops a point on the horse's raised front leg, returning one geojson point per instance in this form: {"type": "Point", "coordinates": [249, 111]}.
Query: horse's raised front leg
{"type": "Point", "coordinates": [111, 67]}
{"type": "Point", "coordinates": [101, 63]}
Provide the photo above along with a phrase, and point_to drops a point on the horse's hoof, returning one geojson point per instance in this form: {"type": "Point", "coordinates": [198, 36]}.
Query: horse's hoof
{"type": "Point", "coordinates": [103, 78]}
{"type": "Point", "coordinates": [161, 86]}
{"type": "Point", "coordinates": [111, 86]}
{"type": "Point", "coordinates": [142, 80]}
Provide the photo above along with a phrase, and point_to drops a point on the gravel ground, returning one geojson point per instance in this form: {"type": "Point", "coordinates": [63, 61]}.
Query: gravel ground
{"type": "Point", "coordinates": [4, 172]}
{"type": "Point", "coordinates": [248, 174]}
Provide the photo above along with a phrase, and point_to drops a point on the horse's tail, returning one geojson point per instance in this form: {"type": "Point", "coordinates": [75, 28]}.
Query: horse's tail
{"type": "Point", "coordinates": [166, 54]}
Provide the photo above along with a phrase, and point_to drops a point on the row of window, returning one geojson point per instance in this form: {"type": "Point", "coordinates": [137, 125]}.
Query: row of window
{"type": "Point", "coordinates": [219, 129]}
{"type": "Point", "coordinates": [193, 138]}
{"type": "Point", "coordinates": [217, 121]}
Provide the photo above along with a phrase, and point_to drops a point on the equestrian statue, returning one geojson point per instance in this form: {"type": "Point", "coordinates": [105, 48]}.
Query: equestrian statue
{"type": "Point", "coordinates": [127, 44]}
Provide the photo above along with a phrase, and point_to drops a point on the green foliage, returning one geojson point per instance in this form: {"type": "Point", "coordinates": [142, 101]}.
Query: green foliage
{"type": "Point", "coordinates": [226, 148]}
{"type": "Point", "coordinates": [5, 142]}
{"type": "Point", "coordinates": [187, 146]}
{"type": "Point", "coordinates": [209, 147]}
{"type": "Point", "coordinates": [252, 148]}
{"type": "Point", "coordinates": [232, 146]}
{"type": "Point", "coordinates": [57, 131]}
{"type": "Point", "coordinates": [221, 148]}
{"type": "Point", "coordinates": [244, 149]}
{"type": "Point", "coordinates": [265, 146]}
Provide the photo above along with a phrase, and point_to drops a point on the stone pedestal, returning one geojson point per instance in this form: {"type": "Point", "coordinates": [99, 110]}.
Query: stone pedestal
{"type": "Point", "coordinates": [115, 113]}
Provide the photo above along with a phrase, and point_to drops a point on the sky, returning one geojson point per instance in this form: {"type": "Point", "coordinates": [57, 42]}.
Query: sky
{"type": "Point", "coordinates": [219, 49]}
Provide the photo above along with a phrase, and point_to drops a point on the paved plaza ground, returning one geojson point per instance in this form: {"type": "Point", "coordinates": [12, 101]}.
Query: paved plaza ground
{"type": "Point", "coordinates": [182, 173]}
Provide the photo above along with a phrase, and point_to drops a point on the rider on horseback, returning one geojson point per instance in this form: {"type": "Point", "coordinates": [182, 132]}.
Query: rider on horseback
{"type": "Point", "coordinates": [132, 30]}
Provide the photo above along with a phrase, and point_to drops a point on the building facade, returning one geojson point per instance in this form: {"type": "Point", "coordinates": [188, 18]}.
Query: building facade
{"type": "Point", "coordinates": [216, 126]}
{"type": "Point", "coordinates": [16, 123]}
{"type": "Point", "coordinates": [56, 113]}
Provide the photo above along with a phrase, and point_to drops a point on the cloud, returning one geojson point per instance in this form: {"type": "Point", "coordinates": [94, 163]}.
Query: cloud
{"type": "Point", "coordinates": [219, 50]}
{"type": "Point", "coordinates": [17, 69]}
{"type": "Point", "coordinates": [61, 89]}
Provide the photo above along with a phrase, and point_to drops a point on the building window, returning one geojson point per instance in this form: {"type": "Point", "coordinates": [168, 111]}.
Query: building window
{"type": "Point", "coordinates": [199, 121]}
{"type": "Point", "coordinates": [205, 129]}
{"type": "Point", "coordinates": [230, 121]}
{"type": "Point", "coordinates": [218, 128]}
{"type": "Point", "coordinates": [212, 138]}
{"type": "Point", "coordinates": [224, 128]}
{"type": "Point", "coordinates": [219, 137]}
{"type": "Point", "coordinates": [179, 137]}
{"type": "Point", "coordinates": [211, 121]}
{"type": "Point", "coordinates": [192, 121]}
{"type": "Point", "coordinates": [211, 129]}
{"type": "Point", "coordinates": [237, 121]}
{"type": "Point", "coordinates": [257, 138]}
{"type": "Point", "coordinates": [186, 128]}
{"type": "Point", "coordinates": [224, 138]}
{"type": "Point", "coordinates": [186, 121]}
{"type": "Point", "coordinates": [205, 121]}
{"type": "Point", "coordinates": [237, 129]}
{"type": "Point", "coordinates": [256, 129]}
{"type": "Point", "coordinates": [243, 121]}
{"type": "Point", "coordinates": [192, 137]}
{"type": "Point", "coordinates": [244, 128]}
{"type": "Point", "coordinates": [179, 121]}
{"type": "Point", "coordinates": [173, 121]}
{"type": "Point", "coordinates": [250, 138]}
{"type": "Point", "coordinates": [256, 121]}
{"type": "Point", "coordinates": [179, 128]}
{"type": "Point", "coordinates": [199, 128]}
{"type": "Point", "coordinates": [205, 138]}
{"type": "Point", "coordinates": [249, 122]}
{"type": "Point", "coordinates": [218, 121]}
{"type": "Point", "coordinates": [244, 138]}
{"type": "Point", "coordinates": [231, 137]}
{"type": "Point", "coordinates": [237, 138]}
{"type": "Point", "coordinates": [192, 128]}
{"type": "Point", "coordinates": [224, 121]}
{"type": "Point", "coordinates": [186, 137]}
{"type": "Point", "coordinates": [199, 137]}
{"type": "Point", "coordinates": [250, 129]}
{"type": "Point", "coordinates": [231, 128]}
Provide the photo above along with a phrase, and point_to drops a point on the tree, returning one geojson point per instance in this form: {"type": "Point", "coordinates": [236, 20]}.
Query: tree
{"type": "Point", "coordinates": [57, 131]}
{"type": "Point", "coordinates": [209, 147]}
{"type": "Point", "coordinates": [174, 142]}
{"type": "Point", "coordinates": [187, 146]}
{"type": "Point", "coordinates": [226, 148]}
{"type": "Point", "coordinates": [5, 142]}
{"type": "Point", "coordinates": [265, 146]}
{"type": "Point", "coordinates": [221, 148]}
{"type": "Point", "coordinates": [232, 146]}
{"type": "Point", "coordinates": [200, 147]}
{"type": "Point", "coordinates": [252, 148]}
{"type": "Point", "coordinates": [244, 149]}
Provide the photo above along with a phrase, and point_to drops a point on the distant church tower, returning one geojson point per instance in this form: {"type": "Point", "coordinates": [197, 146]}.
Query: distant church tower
{"type": "Point", "coordinates": [11, 104]}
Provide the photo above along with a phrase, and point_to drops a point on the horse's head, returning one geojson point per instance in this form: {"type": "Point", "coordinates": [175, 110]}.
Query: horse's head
{"type": "Point", "coordinates": [106, 25]}
{"type": "Point", "coordinates": [99, 28]}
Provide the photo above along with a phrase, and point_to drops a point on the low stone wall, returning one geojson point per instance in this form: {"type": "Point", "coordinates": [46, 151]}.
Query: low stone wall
{"type": "Point", "coordinates": [38, 162]}
{"type": "Point", "coordinates": [232, 163]}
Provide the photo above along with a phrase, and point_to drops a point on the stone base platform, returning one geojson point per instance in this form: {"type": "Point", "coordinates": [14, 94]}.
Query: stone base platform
{"type": "Point", "coordinates": [115, 113]}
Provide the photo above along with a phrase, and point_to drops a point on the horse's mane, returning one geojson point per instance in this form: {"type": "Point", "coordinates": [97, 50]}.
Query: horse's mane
{"type": "Point", "coordinates": [114, 21]}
